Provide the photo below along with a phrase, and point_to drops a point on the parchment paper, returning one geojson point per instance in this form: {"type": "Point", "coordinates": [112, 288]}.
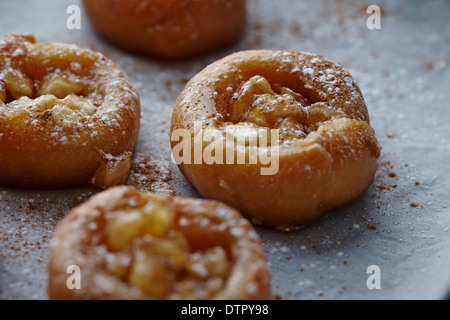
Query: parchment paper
{"type": "Point", "coordinates": [400, 224]}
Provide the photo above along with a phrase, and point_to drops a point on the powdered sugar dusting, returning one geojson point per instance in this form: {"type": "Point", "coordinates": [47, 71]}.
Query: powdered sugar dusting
{"type": "Point", "coordinates": [107, 99]}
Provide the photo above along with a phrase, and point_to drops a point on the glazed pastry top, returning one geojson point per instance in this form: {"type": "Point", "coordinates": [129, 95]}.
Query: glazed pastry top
{"type": "Point", "coordinates": [70, 91]}
{"type": "Point", "coordinates": [137, 245]}
{"type": "Point", "coordinates": [291, 91]}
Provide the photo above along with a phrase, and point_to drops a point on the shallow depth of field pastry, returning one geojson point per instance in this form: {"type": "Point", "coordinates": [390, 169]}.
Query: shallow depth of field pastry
{"type": "Point", "coordinates": [134, 245]}
{"type": "Point", "coordinates": [326, 149]}
{"type": "Point", "coordinates": [168, 28]}
{"type": "Point", "coordinates": [68, 116]}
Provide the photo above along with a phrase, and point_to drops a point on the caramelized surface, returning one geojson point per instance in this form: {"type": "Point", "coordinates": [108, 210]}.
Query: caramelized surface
{"type": "Point", "coordinates": [157, 247]}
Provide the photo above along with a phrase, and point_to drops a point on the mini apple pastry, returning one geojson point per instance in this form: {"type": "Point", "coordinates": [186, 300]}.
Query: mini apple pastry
{"type": "Point", "coordinates": [170, 29]}
{"type": "Point", "coordinates": [132, 245]}
{"type": "Point", "coordinates": [68, 116]}
{"type": "Point", "coordinates": [282, 136]}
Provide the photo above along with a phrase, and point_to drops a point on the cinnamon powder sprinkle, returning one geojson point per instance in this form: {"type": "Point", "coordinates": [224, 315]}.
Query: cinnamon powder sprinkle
{"type": "Point", "coordinates": [392, 174]}
{"type": "Point", "coordinates": [391, 135]}
{"type": "Point", "coordinates": [152, 176]}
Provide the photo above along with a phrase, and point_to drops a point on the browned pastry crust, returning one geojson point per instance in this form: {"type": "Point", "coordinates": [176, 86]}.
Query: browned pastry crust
{"type": "Point", "coordinates": [134, 245]}
{"type": "Point", "coordinates": [327, 154]}
{"type": "Point", "coordinates": [68, 116]}
{"type": "Point", "coordinates": [168, 28]}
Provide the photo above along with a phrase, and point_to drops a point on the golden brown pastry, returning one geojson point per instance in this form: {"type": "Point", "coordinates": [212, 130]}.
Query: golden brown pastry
{"type": "Point", "coordinates": [326, 149]}
{"type": "Point", "coordinates": [133, 245]}
{"type": "Point", "coordinates": [168, 28]}
{"type": "Point", "coordinates": [68, 116]}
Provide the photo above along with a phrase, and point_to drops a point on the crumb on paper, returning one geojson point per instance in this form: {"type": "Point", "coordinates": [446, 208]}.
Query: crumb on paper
{"type": "Point", "coordinates": [151, 176]}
